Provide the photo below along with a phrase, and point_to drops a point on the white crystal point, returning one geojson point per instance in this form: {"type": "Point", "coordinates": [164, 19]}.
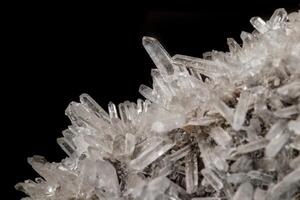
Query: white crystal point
{"type": "Point", "coordinates": [93, 107]}
{"type": "Point", "coordinates": [259, 24]}
{"type": "Point", "coordinates": [68, 148]}
{"type": "Point", "coordinates": [280, 15]}
{"type": "Point", "coordinates": [113, 113]}
{"type": "Point", "coordinates": [42, 167]}
{"type": "Point", "coordinates": [159, 55]}
{"type": "Point", "coordinates": [225, 126]}
{"type": "Point", "coordinates": [148, 93]}
{"type": "Point", "coordinates": [234, 47]}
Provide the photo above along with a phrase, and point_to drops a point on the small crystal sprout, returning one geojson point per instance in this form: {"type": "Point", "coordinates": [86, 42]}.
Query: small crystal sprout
{"type": "Point", "coordinates": [225, 126]}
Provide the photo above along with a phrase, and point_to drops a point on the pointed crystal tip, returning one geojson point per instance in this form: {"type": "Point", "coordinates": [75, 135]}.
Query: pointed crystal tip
{"type": "Point", "coordinates": [36, 159]}
{"type": "Point", "coordinates": [147, 40]}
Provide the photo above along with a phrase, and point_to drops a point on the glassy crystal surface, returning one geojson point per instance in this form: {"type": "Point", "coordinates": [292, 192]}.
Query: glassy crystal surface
{"type": "Point", "coordinates": [222, 127]}
{"type": "Point", "coordinates": [244, 191]}
{"type": "Point", "coordinates": [241, 110]}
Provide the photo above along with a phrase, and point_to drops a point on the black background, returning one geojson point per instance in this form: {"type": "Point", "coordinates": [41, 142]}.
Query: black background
{"type": "Point", "coordinates": [55, 52]}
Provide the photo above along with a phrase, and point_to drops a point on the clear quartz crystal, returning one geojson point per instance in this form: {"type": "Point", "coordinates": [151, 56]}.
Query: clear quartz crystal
{"type": "Point", "coordinates": [257, 175]}
{"type": "Point", "coordinates": [224, 126]}
{"type": "Point", "coordinates": [180, 153]}
{"type": "Point", "coordinates": [259, 24]}
{"type": "Point", "coordinates": [287, 112]}
{"type": "Point", "coordinates": [212, 179]}
{"type": "Point", "coordinates": [253, 129]}
{"type": "Point", "coordinates": [276, 129]}
{"type": "Point", "coordinates": [279, 16]}
{"type": "Point", "coordinates": [237, 178]}
{"type": "Point", "coordinates": [223, 109]}
{"type": "Point", "coordinates": [291, 89]}
{"type": "Point", "coordinates": [93, 107]}
{"type": "Point", "coordinates": [251, 146]}
{"type": "Point", "coordinates": [159, 55]}
{"type": "Point", "coordinates": [245, 191]}
{"type": "Point", "coordinates": [246, 38]}
{"type": "Point", "coordinates": [205, 67]}
{"type": "Point", "coordinates": [147, 92]}
{"type": "Point", "coordinates": [153, 150]}
{"type": "Point", "coordinates": [191, 171]}
{"type": "Point", "coordinates": [276, 144]}
{"type": "Point", "coordinates": [242, 164]}
{"type": "Point", "coordinates": [112, 110]}
{"type": "Point", "coordinates": [130, 141]}
{"type": "Point", "coordinates": [286, 184]}
{"type": "Point", "coordinates": [214, 158]}
{"type": "Point", "coordinates": [68, 148]}
{"type": "Point", "coordinates": [241, 110]}
{"type": "Point", "coordinates": [221, 136]}
{"type": "Point", "coordinates": [155, 188]}
{"type": "Point", "coordinates": [40, 165]}
{"type": "Point", "coordinates": [234, 47]}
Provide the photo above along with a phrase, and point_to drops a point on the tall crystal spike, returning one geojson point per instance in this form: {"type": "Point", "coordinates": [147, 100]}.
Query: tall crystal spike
{"type": "Point", "coordinates": [279, 16]}
{"type": "Point", "coordinates": [159, 55]}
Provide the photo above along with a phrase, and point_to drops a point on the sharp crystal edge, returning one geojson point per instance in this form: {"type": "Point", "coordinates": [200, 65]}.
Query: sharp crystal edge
{"type": "Point", "coordinates": [225, 126]}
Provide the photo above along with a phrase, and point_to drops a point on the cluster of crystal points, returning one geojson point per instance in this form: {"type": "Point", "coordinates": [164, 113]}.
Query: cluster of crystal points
{"type": "Point", "coordinates": [225, 126]}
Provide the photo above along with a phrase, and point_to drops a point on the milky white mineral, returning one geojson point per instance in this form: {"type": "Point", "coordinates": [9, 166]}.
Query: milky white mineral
{"type": "Point", "coordinates": [225, 126]}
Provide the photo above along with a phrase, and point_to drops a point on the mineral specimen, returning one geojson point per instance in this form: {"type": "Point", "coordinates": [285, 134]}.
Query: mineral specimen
{"type": "Point", "coordinates": [225, 126]}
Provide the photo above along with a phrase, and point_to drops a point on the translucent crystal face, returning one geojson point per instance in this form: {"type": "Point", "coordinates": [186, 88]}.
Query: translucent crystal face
{"type": "Point", "coordinates": [226, 126]}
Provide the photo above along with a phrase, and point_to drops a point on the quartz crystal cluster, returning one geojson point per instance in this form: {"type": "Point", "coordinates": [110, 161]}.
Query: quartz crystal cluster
{"type": "Point", "coordinates": [222, 127]}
